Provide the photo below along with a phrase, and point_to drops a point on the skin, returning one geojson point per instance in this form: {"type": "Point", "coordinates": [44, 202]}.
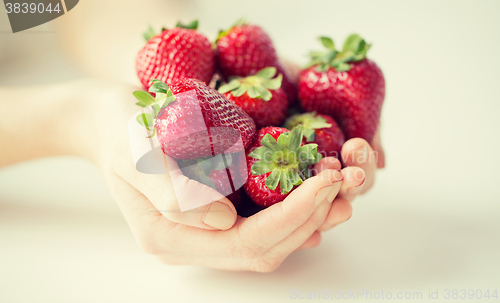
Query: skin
{"type": "Point", "coordinates": [88, 118]}
{"type": "Point", "coordinates": [91, 124]}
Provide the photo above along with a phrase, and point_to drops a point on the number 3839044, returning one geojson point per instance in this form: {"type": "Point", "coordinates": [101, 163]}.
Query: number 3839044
{"type": "Point", "coordinates": [31, 8]}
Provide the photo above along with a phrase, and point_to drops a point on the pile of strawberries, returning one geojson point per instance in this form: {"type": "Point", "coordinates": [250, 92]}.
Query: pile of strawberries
{"type": "Point", "coordinates": [233, 117]}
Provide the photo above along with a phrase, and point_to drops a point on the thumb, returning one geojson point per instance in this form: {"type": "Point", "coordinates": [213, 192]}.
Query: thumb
{"type": "Point", "coordinates": [185, 201]}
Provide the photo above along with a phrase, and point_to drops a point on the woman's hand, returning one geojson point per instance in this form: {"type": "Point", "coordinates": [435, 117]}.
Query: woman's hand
{"type": "Point", "coordinates": [89, 118]}
{"type": "Point", "coordinates": [214, 235]}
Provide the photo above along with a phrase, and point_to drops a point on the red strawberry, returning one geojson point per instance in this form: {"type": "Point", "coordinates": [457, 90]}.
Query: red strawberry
{"type": "Point", "coordinates": [320, 129]}
{"type": "Point", "coordinates": [260, 96]}
{"type": "Point", "coordinates": [193, 120]}
{"type": "Point", "coordinates": [176, 53]}
{"type": "Point", "coordinates": [225, 173]}
{"type": "Point", "coordinates": [277, 162]}
{"type": "Point", "coordinates": [245, 49]}
{"type": "Point", "coordinates": [346, 86]}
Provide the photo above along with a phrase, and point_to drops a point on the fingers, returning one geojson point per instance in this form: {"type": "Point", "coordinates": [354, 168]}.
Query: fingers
{"type": "Point", "coordinates": [353, 182]}
{"type": "Point", "coordinates": [313, 241]}
{"type": "Point", "coordinates": [341, 210]}
{"type": "Point", "coordinates": [377, 147]}
{"type": "Point", "coordinates": [281, 219]}
{"type": "Point", "coordinates": [185, 201]}
{"type": "Point", "coordinates": [357, 152]}
{"type": "Point", "coordinates": [327, 163]}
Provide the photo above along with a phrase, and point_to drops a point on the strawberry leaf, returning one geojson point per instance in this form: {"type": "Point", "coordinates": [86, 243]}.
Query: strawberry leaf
{"type": "Point", "coordinates": [260, 152]}
{"type": "Point", "coordinates": [353, 43]}
{"type": "Point", "coordinates": [145, 98]}
{"type": "Point", "coordinates": [150, 33]}
{"type": "Point", "coordinates": [305, 153]}
{"type": "Point", "coordinates": [240, 90]}
{"type": "Point", "coordinates": [309, 134]}
{"type": "Point", "coordinates": [146, 120]}
{"type": "Point", "coordinates": [260, 168]}
{"type": "Point", "coordinates": [273, 179]}
{"type": "Point", "coordinates": [269, 142]}
{"type": "Point", "coordinates": [285, 183]}
{"type": "Point", "coordinates": [343, 67]}
{"type": "Point", "coordinates": [159, 87]}
{"type": "Point", "coordinates": [354, 49]}
{"type": "Point", "coordinates": [230, 86]}
{"type": "Point", "coordinates": [153, 133]}
{"type": "Point", "coordinates": [252, 92]}
{"type": "Point", "coordinates": [327, 42]}
{"type": "Point", "coordinates": [294, 177]}
{"type": "Point", "coordinates": [264, 93]}
{"type": "Point", "coordinates": [168, 100]}
{"type": "Point", "coordinates": [266, 72]}
{"type": "Point", "coordinates": [191, 25]}
{"type": "Point", "coordinates": [284, 141]}
{"type": "Point", "coordinates": [156, 110]}
{"type": "Point", "coordinates": [273, 83]}
{"type": "Point", "coordinates": [296, 137]}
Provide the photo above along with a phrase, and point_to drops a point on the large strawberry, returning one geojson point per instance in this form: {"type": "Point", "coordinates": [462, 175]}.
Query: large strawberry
{"type": "Point", "coordinates": [260, 96]}
{"type": "Point", "coordinates": [345, 85]}
{"type": "Point", "coordinates": [277, 162]}
{"type": "Point", "coordinates": [320, 129]}
{"type": "Point", "coordinates": [192, 120]}
{"type": "Point", "coordinates": [181, 52]}
{"type": "Point", "coordinates": [245, 49]}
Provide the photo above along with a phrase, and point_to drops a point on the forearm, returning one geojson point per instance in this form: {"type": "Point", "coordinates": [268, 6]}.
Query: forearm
{"type": "Point", "coordinates": [43, 121]}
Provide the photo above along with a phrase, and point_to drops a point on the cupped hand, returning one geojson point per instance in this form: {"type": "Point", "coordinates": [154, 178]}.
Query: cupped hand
{"type": "Point", "coordinates": [213, 235]}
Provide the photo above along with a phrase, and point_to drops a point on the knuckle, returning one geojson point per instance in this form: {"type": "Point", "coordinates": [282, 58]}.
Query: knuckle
{"type": "Point", "coordinates": [149, 247]}
{"type": "Point", "coordinates": [266, 265]}
{"type": "Point", "coordinates": [247, 251]}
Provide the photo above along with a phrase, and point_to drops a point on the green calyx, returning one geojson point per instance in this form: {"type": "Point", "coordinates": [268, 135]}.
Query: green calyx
{"type": "Point", "coordinates": [150, 33]}
{"type": "Point", "coordinates": [257, 86]}
{"type": "Point", "coordinates": [285, 158]}
{"type": "Point", "coordinates": [164, 97]}
{"type": "Point", "coordinates": [199, 169]}
{"type": "Point", "coordinates": [310, 122]}
{"type": "Point", "coordinates": [223, 33]}
{"type": "Point", "coordinates": [354, 49]}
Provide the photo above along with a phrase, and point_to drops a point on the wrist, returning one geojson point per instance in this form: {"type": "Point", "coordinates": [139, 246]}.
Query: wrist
{"type": "Point", "coordinates": [44, 121]}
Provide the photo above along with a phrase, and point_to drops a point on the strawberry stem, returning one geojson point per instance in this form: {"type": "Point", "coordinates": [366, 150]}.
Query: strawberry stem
{"type": "Point", "coordinates": [353, 50]}
{"type": "Point", "coordinates": [285, 158]}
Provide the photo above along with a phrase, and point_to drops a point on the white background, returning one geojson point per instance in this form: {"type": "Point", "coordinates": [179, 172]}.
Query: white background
{"type": "Point", "coordinates": [430, 223]}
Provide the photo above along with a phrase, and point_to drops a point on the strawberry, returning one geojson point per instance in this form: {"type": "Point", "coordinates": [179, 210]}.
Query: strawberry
{"type": "Point", "coordinates": [277, 162]}
{"type": "Point", "coordinates": [320, 129]}
{"type": "Point", "coordinates": [192, 120]}
{"type": "Point", "coordinates": [346, 86]}
{"type": "Point", "coordinates": [225, 173]}
{"type": "Point", "coordinates": [176, 53]}
{"type": "Point", "coordinates": [245, 49]}
{"type": "Point", "coordinates": [260, 96]}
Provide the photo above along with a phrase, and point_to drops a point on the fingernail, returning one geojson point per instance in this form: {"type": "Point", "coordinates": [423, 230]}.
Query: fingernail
{"type": "Point", "coordinates": [219, 216]}
{"type": "Point", "coordinates": [335, 188]}
{"type": "Point", "coordinates": [322, 194]}
{"type": "Point", "coordinates": [360, 155]}
{"type": "Point", "coordinates": [356, 189]}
